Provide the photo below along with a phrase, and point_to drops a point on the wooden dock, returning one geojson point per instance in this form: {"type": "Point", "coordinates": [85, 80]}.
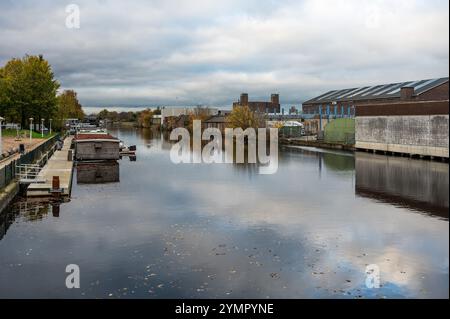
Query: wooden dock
{"type": "Point", "coordinates": [57, 165]}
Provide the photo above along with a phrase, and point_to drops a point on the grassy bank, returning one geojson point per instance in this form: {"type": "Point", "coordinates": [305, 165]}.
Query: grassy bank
{"type": "Point", "coordinates": [25, 133]}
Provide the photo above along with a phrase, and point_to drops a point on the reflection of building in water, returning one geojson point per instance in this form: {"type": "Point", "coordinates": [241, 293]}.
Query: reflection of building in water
{"type": "Point", "coordinates": [417, 184]}
{"type": "Point", "coordinates": [97, 173]}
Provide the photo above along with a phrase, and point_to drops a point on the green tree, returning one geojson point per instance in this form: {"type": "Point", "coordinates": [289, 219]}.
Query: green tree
{"type": "Point", "coordinates": [28, 89]}
{"type": "Point", "coordinates": [11, 102]}
{"type": "Point", "coordinates": [103, 114]}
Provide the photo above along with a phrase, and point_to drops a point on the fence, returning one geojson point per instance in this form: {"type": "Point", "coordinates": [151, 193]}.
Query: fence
{"type": "Point", "coordinates": [8, 172]}
{"type": "Point", "coordinates": [340, 131]}
{"type": "Point", "coordinates": [291, 131]}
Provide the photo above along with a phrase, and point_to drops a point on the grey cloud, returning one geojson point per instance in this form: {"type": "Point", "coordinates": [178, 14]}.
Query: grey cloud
{"type": "Point", "coordinates": [180, 52]}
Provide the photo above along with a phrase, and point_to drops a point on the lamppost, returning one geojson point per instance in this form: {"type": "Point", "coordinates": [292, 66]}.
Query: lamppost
{"type": "Point", "coordinates": [31, 128]}
{"type": "Point", "coordinates": [42, 128]}
{"type": "Point", "coordinates": [51, 126]}
{"type": "Point", "coordinates": [1, 144]}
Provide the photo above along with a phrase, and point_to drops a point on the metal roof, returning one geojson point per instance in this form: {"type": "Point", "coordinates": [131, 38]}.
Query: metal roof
{"type": "Point", "coordinates": [376, 92]}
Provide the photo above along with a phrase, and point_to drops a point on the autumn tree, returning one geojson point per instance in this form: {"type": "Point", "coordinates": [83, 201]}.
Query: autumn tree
{"type": "Point", "coordinates": [145, 117]}
{"type": "Point", "coordinates": [68, 107]}
{"type": "Point", "coordinates": [198, 113]}
{"type": "Point", "coordinates": [243, 117]}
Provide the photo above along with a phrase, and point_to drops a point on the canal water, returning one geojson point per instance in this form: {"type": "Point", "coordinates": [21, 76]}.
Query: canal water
{"type": "Point", "coordinates": [147, 228]}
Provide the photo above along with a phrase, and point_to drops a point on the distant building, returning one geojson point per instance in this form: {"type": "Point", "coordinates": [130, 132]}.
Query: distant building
{"type": "Point", "coordinates": [172, 112]}
{"type": "Point", "coordinates": [264, 107]}
{"type": "Point", "coordinates": [344, 102]}
{"type": "Point", "coordinates": [224, 112]}
{"type": "Point", "coordinates": [293, 110]}
{"type": "Point", "coordinates": [217, 121]}
{"type": "Point", "coordinates": [156, 119]}
{"type": "Point", "coordinates": [169, 112]}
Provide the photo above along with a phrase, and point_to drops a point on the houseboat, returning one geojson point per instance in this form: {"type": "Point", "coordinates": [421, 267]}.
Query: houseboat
{"type": "Point", "coordinates": [96, 147]}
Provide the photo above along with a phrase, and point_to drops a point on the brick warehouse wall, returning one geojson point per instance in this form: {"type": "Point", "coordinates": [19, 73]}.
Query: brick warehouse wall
{"type": "Point", "coordinates": [260, 106]}
{"type": "Point", "coordinates": [440, 92]}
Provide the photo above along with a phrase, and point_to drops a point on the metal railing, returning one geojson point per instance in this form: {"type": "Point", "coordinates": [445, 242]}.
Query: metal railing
{"type": "Point", "coordinates": [8, 172]}
{"type": "Point", "coordinates": [28, 173]}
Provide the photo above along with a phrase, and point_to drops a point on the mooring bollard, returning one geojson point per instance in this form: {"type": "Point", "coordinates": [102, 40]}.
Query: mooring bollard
{"type": "Point", "coordinates": [55, 183]}
{"type": "Point", "coordinates": [69, 155]}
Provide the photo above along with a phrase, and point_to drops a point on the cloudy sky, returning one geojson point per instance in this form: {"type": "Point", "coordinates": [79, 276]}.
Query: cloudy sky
{"type": "Point", "coordinates": [147, 53]}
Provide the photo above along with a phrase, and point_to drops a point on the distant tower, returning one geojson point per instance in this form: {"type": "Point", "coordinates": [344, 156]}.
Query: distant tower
{"type": "Point", "coordinates": [275, 98]}
{"type": "Point", "coordinates": [244, 99]}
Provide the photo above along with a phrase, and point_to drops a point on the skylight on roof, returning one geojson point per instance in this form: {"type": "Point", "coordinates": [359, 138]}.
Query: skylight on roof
{"type": "Point", "coordinates": [329, 94]}
{"type": "Point", "coordinates": [347, 93]}
{"type": "Point", "coordinates": [365, 90]}
{"type": "Point", "coordinates": [389, 88]}
{"type": "Point", "coordinates": [408, 84]}
{"type": "Point", "coordinates": [424, 84]}
{"type": "Point", "coordinates": [372, 90]}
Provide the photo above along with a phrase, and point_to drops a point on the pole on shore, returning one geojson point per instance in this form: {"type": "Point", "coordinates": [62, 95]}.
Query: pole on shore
{"type": "Point", "coordinates": [1, 144]}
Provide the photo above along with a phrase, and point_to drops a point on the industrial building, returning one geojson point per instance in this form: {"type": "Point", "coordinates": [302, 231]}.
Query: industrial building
{"type": "Point", "coordinates": [408, 118]}
{"type": "Point", "coordinates": [344, 102]}
{"type": "Point", "coordinates": [260, 106]}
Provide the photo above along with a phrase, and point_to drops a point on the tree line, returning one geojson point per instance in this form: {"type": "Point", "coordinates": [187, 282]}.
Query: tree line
{"type": "Point", "coordinates": [139, 118]}
{"type": "Point", "coordinates": [28, 89]}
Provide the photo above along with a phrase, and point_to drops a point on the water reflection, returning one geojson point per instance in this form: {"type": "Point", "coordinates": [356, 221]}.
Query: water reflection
{"type": "Point", "coordinates": [98, 173]}
{"type": "Point", "coordinates": [334, 159]}
{"type": "Point", "coordinates": [27, 210]}
{"type": "Point", "coordinates": [225, 231]}
{"type": "Point", "coordinates": [416, 184]}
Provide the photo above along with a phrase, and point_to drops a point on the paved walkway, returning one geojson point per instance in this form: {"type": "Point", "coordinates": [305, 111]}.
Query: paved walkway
{"type": "Point", "coordinates": [29, 146]}
{"type": "Point", "coordinates": [57, 165]}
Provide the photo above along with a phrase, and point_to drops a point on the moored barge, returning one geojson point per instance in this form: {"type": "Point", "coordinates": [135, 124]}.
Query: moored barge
{"type": "Point", "coordinates": [96, 147]}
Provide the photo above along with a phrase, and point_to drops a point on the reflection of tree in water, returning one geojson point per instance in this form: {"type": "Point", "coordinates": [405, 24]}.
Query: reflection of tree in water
{"type": "Point", "coordinates": [333, 161]}
{"type": "Point", "coordinates": [338, 162]}
{"type": "Point", "coordinates": [147, 134]}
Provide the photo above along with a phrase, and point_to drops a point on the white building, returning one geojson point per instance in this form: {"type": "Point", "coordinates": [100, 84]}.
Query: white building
{"type": "Point", "coordinates": [177, 111]}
